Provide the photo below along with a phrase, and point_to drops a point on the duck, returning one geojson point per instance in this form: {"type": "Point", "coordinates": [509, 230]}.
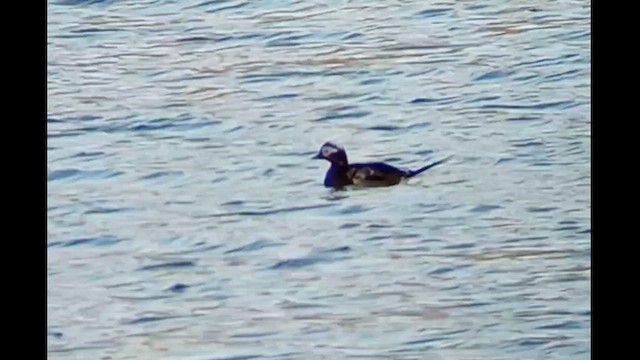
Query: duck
{"type": "Point", "coordinates": [371, 174]}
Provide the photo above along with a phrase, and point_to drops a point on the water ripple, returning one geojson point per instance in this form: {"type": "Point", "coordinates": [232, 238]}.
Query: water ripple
{"type": "Point", "coordinates": [304, 262]}
{"type": "Point", "coordinates": [175, 264]}
{"type": "Point", "coordinates": [93, 241]}
{"type": "Point", "coordinates": [76, 174]}
{"type": "Point", "coordinates": [256, 245]}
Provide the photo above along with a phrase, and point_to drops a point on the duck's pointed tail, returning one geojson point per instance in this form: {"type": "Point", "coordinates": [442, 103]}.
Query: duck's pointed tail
{"type": "Point", "coordinates": [412, 173]}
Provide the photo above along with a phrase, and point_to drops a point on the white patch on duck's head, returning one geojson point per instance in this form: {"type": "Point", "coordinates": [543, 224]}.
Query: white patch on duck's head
{"type": "Point", "coordinates": [330, 148]}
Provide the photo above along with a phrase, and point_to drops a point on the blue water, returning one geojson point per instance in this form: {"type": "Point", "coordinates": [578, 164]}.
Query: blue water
{"type": "Point", "coordinates": [186, 220]}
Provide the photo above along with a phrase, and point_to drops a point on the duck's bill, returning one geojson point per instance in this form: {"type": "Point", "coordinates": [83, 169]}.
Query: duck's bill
{"type": "Point", "coordinates": [317, 156]}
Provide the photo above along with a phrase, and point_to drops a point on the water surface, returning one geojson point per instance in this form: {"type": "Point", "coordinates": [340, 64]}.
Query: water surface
{"type": "Point", "coordinates": [186, 220]}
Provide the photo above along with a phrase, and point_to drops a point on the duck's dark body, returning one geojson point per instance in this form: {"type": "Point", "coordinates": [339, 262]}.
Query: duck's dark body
{"type": "Point", "coordinates": [369, 175]}
{"type": "Point", "coordinates": [375, 174]}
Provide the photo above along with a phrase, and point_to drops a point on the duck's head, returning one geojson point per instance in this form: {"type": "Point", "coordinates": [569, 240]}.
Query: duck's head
{"type": "Point", "coordinates": [334, 153]}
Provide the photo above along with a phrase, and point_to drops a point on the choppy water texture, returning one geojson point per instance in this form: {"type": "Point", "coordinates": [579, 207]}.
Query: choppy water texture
{"type": "Point", "coordinates": [186, 220]}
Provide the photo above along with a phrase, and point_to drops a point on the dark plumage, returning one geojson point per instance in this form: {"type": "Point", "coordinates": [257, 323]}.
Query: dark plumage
{"type": "Point", "coordinates": [375, 174]}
